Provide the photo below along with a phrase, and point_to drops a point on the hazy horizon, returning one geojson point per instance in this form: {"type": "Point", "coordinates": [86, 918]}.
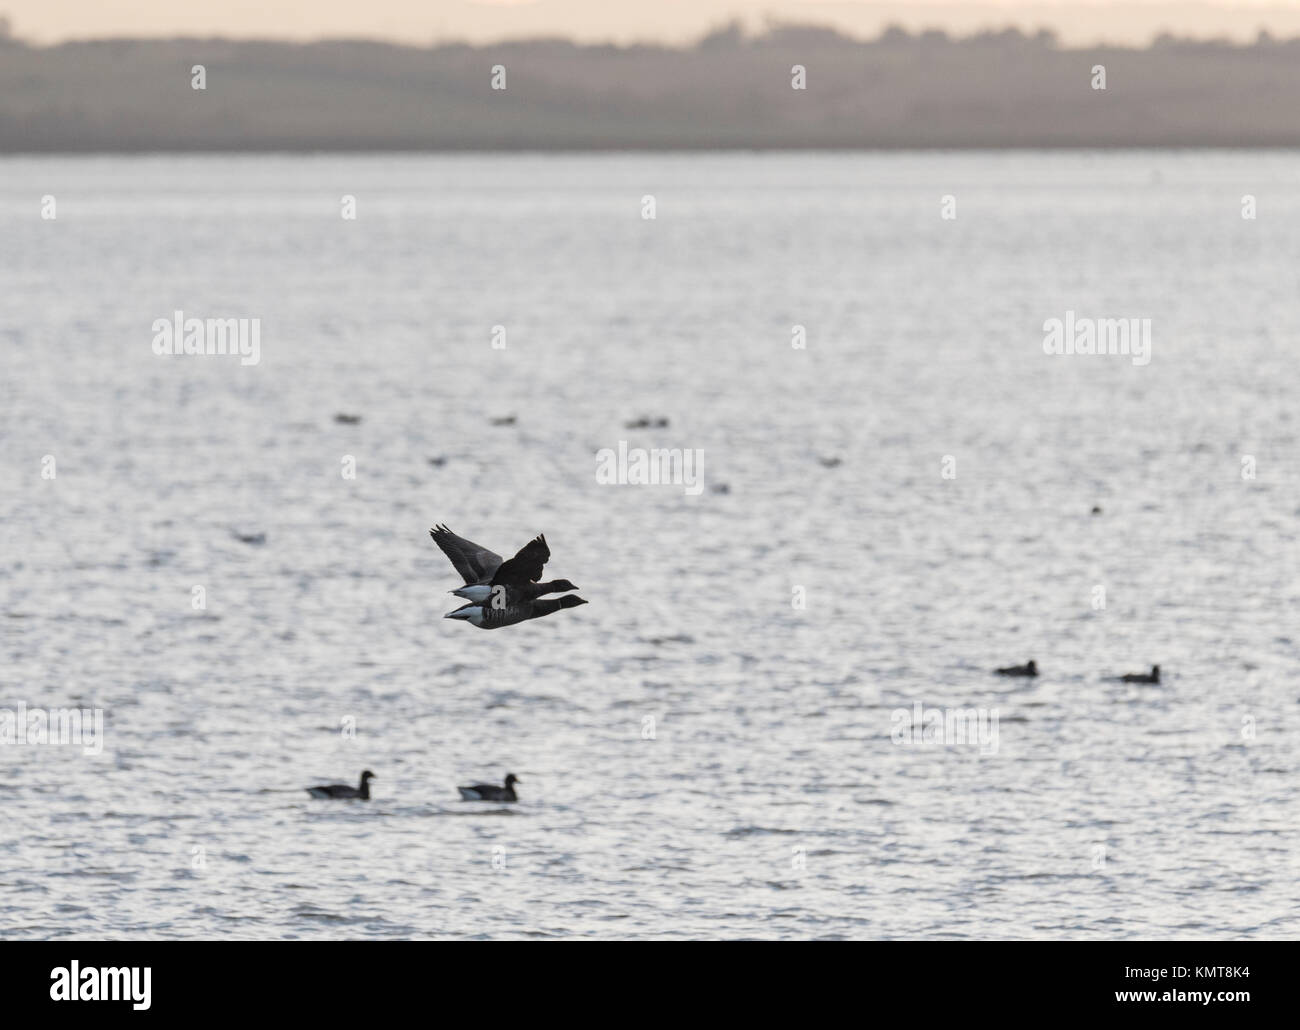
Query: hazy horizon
{"type": "Point", "coordinates": [792, 87]}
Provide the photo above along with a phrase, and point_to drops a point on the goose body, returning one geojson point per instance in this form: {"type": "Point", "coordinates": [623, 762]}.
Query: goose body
{"type": "Point", "coordinates": [478, 593]}
{"type": "Point", "coordinates": [488, 616]}
{"type": "Point", "coordinates": [1143, 677]}
{"type": "Point", "coordinates": [490, 791]}
{"type": "Point", "coordinates": [1029, 669]}
{"type": "Point", "coordinates": [341, 791]}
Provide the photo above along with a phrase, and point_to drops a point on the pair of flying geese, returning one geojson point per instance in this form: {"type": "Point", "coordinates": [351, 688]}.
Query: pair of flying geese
{"type": "Point", "coordinates": [499, 592]}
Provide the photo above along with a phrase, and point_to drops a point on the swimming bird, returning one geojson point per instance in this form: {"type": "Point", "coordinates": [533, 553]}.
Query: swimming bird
{"type": "Point", "coordinates": [1142, 677]}
{"type": "Point", "coordinates": [1018, 670]}
{"type": "Point", "coordinates": [489, 616]}
{"type": "Point", "coordinates": [343, 791]}
{"type": "Point", "coordinates": [491, 792]}
{"type": "Point", "coordinates": [483, 569]}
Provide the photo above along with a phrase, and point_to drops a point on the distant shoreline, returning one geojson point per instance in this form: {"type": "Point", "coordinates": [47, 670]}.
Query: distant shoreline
{"type": "Point", "coordinates": [793, 88]}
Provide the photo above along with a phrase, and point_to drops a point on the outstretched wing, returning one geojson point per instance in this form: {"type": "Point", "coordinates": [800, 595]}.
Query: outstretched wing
{"type": "Point", "coordinates": [526, 566]}
{"type": "Point", "coordinates": [474, 562]}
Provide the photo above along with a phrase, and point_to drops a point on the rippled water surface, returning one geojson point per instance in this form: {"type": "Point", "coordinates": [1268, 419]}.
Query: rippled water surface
{"type": "Point", "coordinates": [699, 756]}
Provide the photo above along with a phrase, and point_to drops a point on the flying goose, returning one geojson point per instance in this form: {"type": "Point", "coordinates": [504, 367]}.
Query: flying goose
{"type": "Point", "coordinates": [491, 792]}
{"type": "Point", "coordinates": [343, 791]}
{"type": "Point", "coordinates": [1142, 677]}
{"type": "Point", "coordinates": [1018, 670]}
{"type": "Point", "coordinates": [483, 569]}
{"type": "Point", "coordinates": [489, 616]}
{"type": "Point", "coordinates": [505, 594]}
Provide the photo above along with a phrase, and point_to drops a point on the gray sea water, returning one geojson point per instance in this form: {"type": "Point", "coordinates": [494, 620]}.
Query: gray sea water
{"type": "Point", "coordinates": [700, 754]}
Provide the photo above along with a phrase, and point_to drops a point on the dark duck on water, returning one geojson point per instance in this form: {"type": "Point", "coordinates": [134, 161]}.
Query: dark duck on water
{"type": "Point", "coordinates": [342, 792]}
{"type": "Point", "coordinates": [490, 791]}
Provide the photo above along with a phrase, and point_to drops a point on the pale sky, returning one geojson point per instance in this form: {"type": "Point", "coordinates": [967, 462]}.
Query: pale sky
{"type": "Point", "coordinates": [425, 21]}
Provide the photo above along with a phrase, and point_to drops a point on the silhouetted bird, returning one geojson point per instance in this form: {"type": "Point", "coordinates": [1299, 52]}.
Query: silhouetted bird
{"type": "Point", "coordinates": [341, 791]}
{"type": "Point", "coordinates": [483, 570]}
{"type": "Point", "coordinates": [488, 616]}
{"type": "Point", "coordinates": [491, 792]}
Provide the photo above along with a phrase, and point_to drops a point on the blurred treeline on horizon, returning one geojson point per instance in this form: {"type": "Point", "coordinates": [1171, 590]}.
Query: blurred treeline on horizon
{"type": "Point", "coordinates": [729, 90]}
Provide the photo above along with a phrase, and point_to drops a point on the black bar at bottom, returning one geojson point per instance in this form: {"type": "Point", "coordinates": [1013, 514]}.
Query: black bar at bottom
{"type": "Point", "coordinates": [331, 980]}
